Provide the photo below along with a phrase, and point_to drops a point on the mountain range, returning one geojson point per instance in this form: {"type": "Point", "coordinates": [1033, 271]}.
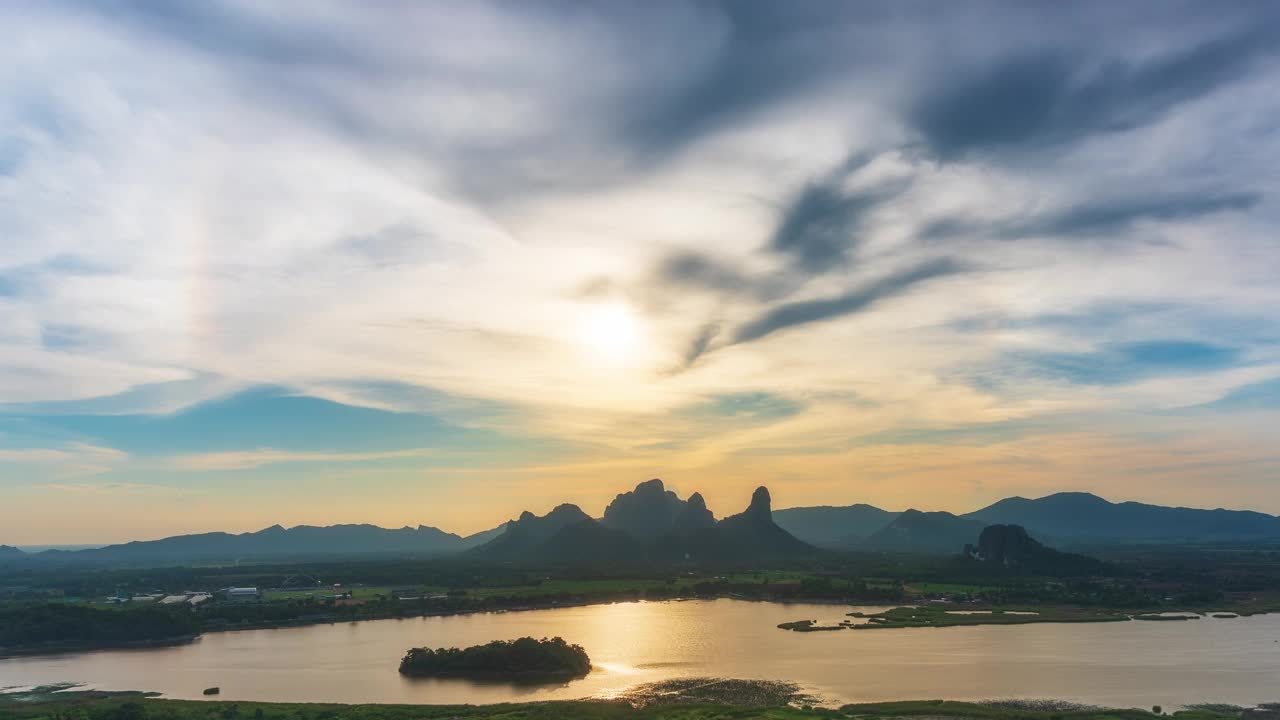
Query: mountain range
{"type": "Point", "coordinates": [649, 523]}
{"type": "Point", "coordinates": [652, 522]}
{"type": "Point", "coordinates": [1066, 518]}
{"type": "Point", "coordinates": [273, 542]}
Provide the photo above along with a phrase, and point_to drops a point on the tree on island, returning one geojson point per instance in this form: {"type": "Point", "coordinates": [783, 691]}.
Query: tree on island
{"type": "Point", "coordinates": [522, 658]}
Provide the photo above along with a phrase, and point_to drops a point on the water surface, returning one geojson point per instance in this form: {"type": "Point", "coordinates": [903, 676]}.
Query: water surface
{"type": "Point", "coordinates": [1127, 664]}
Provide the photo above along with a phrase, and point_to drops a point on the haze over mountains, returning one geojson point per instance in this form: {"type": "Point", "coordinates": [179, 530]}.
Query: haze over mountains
{"type": "Point", "coordinates": [652, 522]}
{"type": "Point", "coordinates": [1069, 518]}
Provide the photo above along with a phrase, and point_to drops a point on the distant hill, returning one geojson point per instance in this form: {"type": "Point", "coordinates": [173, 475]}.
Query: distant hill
{"type": "Point", "coordinates": [654, 524]}
{"type": "Point", "coordinates": [648, 524]}
{"type": "Point", "coordinates": [566, 535]}
{"type": "Point", "coordinates": [834, 527]}
{"type": "Point", "coordinates": [1083, 518]}
{"type": "Point", "coordinates": [482, 537]}
{"type": "Point", "coordinates": [925, 532]}
{"type": "Point", "coordinates": [1010, 547]}
{"type": "Point", "coordinates": [275, 541]}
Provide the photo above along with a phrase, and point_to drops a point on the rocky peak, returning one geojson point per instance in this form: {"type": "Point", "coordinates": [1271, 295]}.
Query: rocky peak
{"type": "Point", "coordinates": [761, 505]}
{"type": "Point", "coordinates": [694, 515]}
{"type": "Point", "coordinates": [696, 501]}
{"type": "Point", "coordinates": [648, 511]}
{"type": "Point", "coordinates": [650, 487]}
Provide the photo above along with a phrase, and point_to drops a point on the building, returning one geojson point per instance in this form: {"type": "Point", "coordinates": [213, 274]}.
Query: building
{"type": "Point", "coordinates": [242, 593]}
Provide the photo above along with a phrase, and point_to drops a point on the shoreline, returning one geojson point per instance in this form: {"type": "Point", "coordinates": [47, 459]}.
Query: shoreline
{"type": "Point", "coordinates": [690, 698]}
{"type": "Point", "coordinates": [969, 616]}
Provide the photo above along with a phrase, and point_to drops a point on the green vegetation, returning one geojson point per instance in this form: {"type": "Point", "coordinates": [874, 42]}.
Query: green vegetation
{"type": "Point", "coordinates": [687, 703]}
{"type": "Point", "coordinates": [58, 626]}
{"type": "Point", "coordinates": [524, 658]}
{"type": "Point", "coordinates": [1143, 580]}
{"type": "Point", "coordinates": [943, 616]}
{"type": "Point", "coordinates": [946, 616]}
{"type": "Point", "coordinates": [807, 626]}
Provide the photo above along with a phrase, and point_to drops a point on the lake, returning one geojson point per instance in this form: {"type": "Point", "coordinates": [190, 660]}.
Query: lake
{"type": "Point", "coordinates": [1129, 664]}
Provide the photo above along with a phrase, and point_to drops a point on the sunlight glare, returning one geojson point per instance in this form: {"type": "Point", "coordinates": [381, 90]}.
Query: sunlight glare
{"type": "Point", "coordinates": [612, 332]}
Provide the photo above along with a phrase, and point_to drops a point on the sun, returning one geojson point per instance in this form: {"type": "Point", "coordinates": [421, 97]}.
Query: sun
{"type": "Point", "coordinates": [612, 332]}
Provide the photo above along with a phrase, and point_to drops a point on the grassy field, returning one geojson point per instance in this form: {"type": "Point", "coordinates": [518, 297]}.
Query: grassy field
{"type": "Point", "coordinates": [102, 706]}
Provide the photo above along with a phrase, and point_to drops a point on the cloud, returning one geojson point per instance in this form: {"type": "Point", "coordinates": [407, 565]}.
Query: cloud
{"type": "Point", "coordinates": [65, 460]}
{"type": "Point", "coordinates": [755, 57]}
{"type": "Point", "coordinates": [1053, 97]}
{"type": "Point", "coordinates": [699, 345]}
{"type": "Point", "coordinates": [1104, 218]}
{"type": "Point", "coordinates": [107, 488]}
{"type": "Point", "coordinates": [800, 313]}
{"type": "Point", "coordinates": [1259, 396]}
{"type": "Point", "coordinates": [821, 225]}
{"type": "Point", "coordinates": [249, 459]}
{"type": "Point", "coordinates": [696, 270]}
{"type": "Point", "coordinates": [385, 228]}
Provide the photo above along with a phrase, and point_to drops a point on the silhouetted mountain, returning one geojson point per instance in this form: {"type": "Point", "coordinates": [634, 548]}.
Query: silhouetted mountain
{"type": "Point", "coordinates": [835, 527]}
{"type": "Point", "coordinates": [754, 532]}
{"type": "Point", "coordinates": [1085, 518]}
{"type": "Point", "coordinates": [651, 522]}
{"type": "Point", "coordinates": [925, 532]}
{"type": "Point", "coordinates": [525, 536]}
{"type": "Point", "coordinates": [750, 536]}
{"type": "Point", "coordinates": [1009, 546]}
{"type": "Point", "coordinates": [694, 516]}
{"type": "Point", "coordinates": [588, 542]}
{"type": "Point", "coordinates": [482, 537]}
{"type": "Point", "coordinates": [275, 541]}
{"type": "Point", "coordinates": [651, 511]}
{"type": "Point", "coordinates": [691, 533]}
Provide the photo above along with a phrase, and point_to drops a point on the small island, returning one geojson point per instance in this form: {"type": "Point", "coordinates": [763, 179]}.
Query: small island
{"type": "Point", "coordinates": [522, 659]}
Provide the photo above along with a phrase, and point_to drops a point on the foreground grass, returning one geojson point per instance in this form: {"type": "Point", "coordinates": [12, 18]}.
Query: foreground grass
{"type": "Point", "coordinates": [131, 706]}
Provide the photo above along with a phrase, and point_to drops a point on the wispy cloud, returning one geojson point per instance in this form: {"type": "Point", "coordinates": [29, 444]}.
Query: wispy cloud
{"type": "Point", "coordinates": [66, 460]}
{"type": "Point", "coordinates": [247, 459]}
{"type": "Point", "coordinates": [800, 313]}
{"type": "Point", "coordinates": [253, 242]}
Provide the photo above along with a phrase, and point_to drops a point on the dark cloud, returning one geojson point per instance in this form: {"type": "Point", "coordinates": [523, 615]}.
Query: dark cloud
{"type": "Point", "coordinates": [771, 52]}
{"type": "Point", "coordinates": [822, 224]}
{"type": "Point", "coordinates": [697, 270]}
{"type": "Point", "coordinates": [1111, 216]}
{"type": "Point", "coordinates": [1097, 218]}
{"type": "Point", "coordinates": [801, 313]}
{"type": "Point", "coordinates": [1037, 100]}
{"type": "Point", "coordinates": [228, 32]}
{"type": "Point", "coordinates": [699, 345]}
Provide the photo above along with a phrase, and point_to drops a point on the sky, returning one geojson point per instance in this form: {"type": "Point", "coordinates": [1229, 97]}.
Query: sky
{"type": "Point", "coordinates": [438, 263]}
